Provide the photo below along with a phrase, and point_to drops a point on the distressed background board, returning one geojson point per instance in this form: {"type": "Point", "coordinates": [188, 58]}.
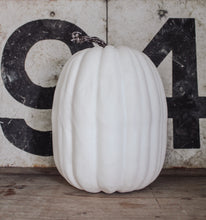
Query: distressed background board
{"type": "Point", "coordinates": [35, 44]}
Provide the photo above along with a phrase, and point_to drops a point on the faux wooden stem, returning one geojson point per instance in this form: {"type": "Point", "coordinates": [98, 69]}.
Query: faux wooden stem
{"type": "Point", "coordinates": [78, 38]}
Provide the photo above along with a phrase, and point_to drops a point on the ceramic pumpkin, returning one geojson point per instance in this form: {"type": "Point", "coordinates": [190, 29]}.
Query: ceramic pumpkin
{"type": "Point", "coordinates": [109, 120]}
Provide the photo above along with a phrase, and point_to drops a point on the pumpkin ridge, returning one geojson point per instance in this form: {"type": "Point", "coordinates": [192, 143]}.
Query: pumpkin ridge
{"type": "Point", "coordinates": [148, 120]}
{"type": "Point", "coordinates": [96, 122]}
{"type": "Point", "coordinates": [59, 99]}
{"type": "Point", "coordinates": [54, 117]}
{"type": "Point", "coordinates": [88, 62]}
{"type": "Point", "coordinates": [109, 170]}
{"type": "Point", "coordinates": [158, 162]}
{"type": "Point", "coordinates": [139, 143]}
{"type": "Point", "coordinates": [74, 155]}
{"type": "Point", "coordinates": [156, 108]}
{"type": "Point", "coordinates": [141, 112]}
{"type": "Point", "coordinates": [124, 159]}
{"type": "Point", "coordinates": [75, 70]}
{"type": "Point", "coordinates": [163, 115]}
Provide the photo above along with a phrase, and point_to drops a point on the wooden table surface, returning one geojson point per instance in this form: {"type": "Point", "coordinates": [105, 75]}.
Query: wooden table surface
{"type": "Point", "coordinates": [40, 193]}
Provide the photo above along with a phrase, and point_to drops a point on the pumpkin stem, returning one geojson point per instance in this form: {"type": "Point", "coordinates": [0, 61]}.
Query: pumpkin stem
{"type": "Point", "coordinates": [78, 38]}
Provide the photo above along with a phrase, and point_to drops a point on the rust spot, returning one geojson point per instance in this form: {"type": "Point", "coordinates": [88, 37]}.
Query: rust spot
{"type": "Point", "coordinates": [39, 165]}
{"type": "Point", "coordinates": [56, 77]}
{"type": "Point", "coordinates": [131, 205]}
{"type": "Point", "coordinates": [10, 192]}
{"type": "Point", "coordinates": [1, 191]}
{"type": "Point", "coordinates": [52, 13]}
{"type": "Point", "coordinates": [162, 13]}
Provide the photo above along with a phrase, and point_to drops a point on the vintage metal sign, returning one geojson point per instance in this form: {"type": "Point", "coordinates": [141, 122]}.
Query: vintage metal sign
{"type": "Point", "coordinates": [35, 42]}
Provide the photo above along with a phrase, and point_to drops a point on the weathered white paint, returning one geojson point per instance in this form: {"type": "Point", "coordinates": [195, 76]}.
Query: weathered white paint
{"type": "Point", "coordinates": [43, 63]}
{"type": "Point", "coordinates": [132, 23]}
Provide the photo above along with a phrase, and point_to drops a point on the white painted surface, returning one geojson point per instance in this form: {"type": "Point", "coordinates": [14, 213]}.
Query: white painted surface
{"type": "Point", "coordinates": [43, 63]}
{"type": "Point", "coordinates": [132, 23]}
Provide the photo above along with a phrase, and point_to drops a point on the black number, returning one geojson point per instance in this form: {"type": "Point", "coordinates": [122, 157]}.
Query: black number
{"type": "Point", "coordinates": [185, 106]}
{"type": "Point", "coordinates": [26, 138]}
{"type": "Point", "coordinates": [14, 75]}
{"type": "Point", "coordinates": [23, 89]}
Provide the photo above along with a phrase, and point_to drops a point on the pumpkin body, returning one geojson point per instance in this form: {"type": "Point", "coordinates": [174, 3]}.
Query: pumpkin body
{"type": "Point", "coordinates": [109, 120]}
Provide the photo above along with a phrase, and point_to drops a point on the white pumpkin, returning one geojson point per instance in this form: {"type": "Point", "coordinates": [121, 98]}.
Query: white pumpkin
{"type": "Point", "coordinates": [109, 120]}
